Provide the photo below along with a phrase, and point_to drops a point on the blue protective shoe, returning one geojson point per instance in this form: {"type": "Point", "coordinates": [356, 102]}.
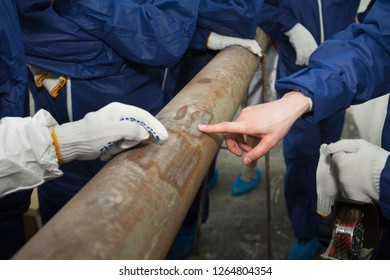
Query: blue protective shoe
{"type": "Point", "coordinates": [304, 251]}
{"type": "Point", "coordinates": [240, 186]}
{"type": "Point", "coordinates": [213, 180]}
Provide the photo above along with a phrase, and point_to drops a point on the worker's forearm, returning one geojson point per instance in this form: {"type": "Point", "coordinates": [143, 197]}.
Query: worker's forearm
{"type": "Point", "coordinates": [297, 103]}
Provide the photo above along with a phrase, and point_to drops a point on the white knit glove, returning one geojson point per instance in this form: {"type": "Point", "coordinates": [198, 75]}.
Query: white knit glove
{"type": "Point", "coordinates": [359, 166]}
{"type": "Point", "coordinates": [303, 43]}
{"type": "Point", "coordinates": [106, 132]}
{"type": "Point", "coordinates": [327, 189]}
{"type": "Point", "coordinates": [218, 42]}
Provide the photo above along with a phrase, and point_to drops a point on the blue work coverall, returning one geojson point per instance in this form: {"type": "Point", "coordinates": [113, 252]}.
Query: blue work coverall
{"type": "Point", "coordinates": [234, 18]}
{"type": "Point", "coordinates": [13, 94]}
{"type": "Point", "coordinates": [350, 68]}
{"type": "Point", "coordinates": [109, 50]}
{"type": "Point", "coordinates": [322, 19]}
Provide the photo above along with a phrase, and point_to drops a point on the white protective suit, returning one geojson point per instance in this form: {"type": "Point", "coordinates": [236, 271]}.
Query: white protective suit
{"type": "Point", "coordinates": [27, 154]}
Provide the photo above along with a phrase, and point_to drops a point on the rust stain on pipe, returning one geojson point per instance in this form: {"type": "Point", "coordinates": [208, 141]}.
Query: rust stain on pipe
{"type": "Point", "coordinates": [133, 208]}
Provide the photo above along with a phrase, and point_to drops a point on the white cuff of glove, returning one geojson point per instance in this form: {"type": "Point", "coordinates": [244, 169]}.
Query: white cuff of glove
{"type": "Point", "coordinates": [219, 42]}
{"type": "Point", "coordinates": [325, 203]}
{"type": "Point", "coordinates": [72, 142]}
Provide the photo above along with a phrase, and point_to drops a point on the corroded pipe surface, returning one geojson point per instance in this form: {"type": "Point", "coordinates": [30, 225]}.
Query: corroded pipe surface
{"type": "Point", "coordinates": [133, 208]}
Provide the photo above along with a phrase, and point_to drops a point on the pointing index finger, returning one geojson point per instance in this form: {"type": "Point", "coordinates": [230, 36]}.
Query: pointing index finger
{"type": "Point", "coordinates": [223, 127]}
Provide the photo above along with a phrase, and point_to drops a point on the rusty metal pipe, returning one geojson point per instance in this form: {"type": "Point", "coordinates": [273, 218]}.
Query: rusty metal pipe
{"type": "Point", "coordinates": [133, 208]}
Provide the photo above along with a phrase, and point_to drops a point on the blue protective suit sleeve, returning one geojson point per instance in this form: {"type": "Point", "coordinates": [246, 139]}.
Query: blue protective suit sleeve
{"type": "Point", "coordinates": [235, 18]}
{"type": "Point", "coordinates": [58, 45]}
{"type": "Point", "coordinates": [13, 71]}
{"type": "Point", "coordinates": [199, 40]}
{"type": "Point", "coordinates": [384, 195]}
{"type": "Point", "coordinates": [350, 68]}
{"type": "Point", "coordinates": [275, 20]}
{"type": "Point", "coordinates": [228, 18]}
{"type": "Point", "coordinates": [153, 32]}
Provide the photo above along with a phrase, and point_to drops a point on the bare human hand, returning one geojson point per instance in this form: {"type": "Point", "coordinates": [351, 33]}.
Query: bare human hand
{"type": "Point", "coordinates": [268, 122]}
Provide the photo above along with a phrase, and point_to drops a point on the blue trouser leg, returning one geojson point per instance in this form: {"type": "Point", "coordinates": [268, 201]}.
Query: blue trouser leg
{"type": "Point", "coordinates": [382, 252]}
{"type": "Point", "coordinates": [54, 194]}
{"type": "Point", "coordinates": [301, 153]}
{"type": "Point", "coordinates": [12, 208]}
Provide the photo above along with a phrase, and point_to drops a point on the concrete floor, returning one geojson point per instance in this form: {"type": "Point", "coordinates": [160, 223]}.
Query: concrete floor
{"type": "Point", "coordinates": [237, 226]}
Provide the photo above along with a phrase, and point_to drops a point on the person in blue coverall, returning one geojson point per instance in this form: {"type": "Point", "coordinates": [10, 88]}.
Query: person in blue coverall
{"type": "Point", "coordinates": [86, 54]}
{"type": "Point", "coordinates": [32, 148]}
{"type": "Point", "coordinates": [235, 20]}
{"type": "Point", "coordinates": [299, 27]}
{"type": "Point", "coordinates": [13, 81]}
{"type": "Point", "coordinates": [351, 67]}
{"type": "Point", "coordinates": [106, 51]}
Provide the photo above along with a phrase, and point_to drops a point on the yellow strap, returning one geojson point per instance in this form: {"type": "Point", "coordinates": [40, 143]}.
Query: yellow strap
{"type": "Point", "coordinates": [39, 78]}
{"type": "Point", "coordinates": [56, 145]}
{"type": "Point", "coordinates": [56, 89]}
{"type": "Point", "coordinates": [322, 215]}
{"type": "Point", "coordinates": [208, 40]}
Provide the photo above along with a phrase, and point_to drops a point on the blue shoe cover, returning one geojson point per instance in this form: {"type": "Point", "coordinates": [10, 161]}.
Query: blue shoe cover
{"type": "Point", "coordinates": [304, 251]}
{"type": "Point", "coordinates": [213, 180]}
{"type": "Point", "coordinates": [240, 186]}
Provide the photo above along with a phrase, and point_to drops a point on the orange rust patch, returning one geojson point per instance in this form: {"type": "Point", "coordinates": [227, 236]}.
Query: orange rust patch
{"type": "Point", "coordinates": [181, 113]}
{"type": "Point", "coordinates": [204, 81]}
